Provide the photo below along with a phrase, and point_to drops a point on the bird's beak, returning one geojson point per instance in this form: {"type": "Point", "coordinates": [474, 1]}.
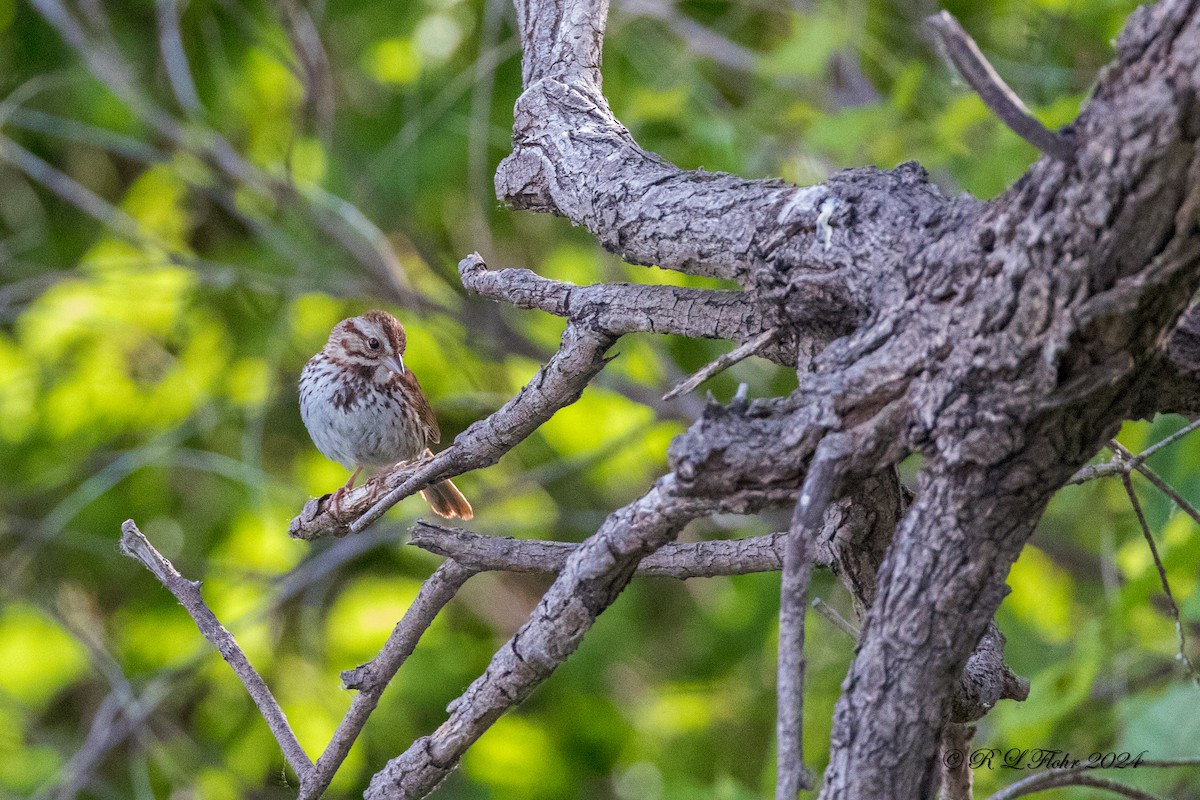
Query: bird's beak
{"type": "Point", "coordinates": [395, 364]}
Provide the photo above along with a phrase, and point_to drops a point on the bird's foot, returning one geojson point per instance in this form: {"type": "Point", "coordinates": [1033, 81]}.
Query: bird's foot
{"type": "Point", "coordinates": [335, 503]}
{"type": "Point", "coordinates": [335, 500]}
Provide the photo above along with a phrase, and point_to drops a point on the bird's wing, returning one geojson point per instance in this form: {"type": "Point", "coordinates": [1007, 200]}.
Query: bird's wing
{"type": "Point", "coordinates": [412, 389]}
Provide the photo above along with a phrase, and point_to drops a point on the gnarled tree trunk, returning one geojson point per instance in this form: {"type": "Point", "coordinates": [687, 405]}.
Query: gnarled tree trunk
{"type": "Point", "coordinates": [1005, 341]}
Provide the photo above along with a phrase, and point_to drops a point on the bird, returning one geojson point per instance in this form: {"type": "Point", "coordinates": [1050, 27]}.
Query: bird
{"type": "Point", "coordinates": [365, 409]}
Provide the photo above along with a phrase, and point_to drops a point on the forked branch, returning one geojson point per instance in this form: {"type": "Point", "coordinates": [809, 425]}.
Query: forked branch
{"type": "Point", "coordinates": [372, 678]}
{"type": "Point", "coordinates": [590, 581]}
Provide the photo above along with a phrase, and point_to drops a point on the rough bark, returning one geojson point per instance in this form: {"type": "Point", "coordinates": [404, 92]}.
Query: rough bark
{"type": "Point", "coordinates": [1005, 341]}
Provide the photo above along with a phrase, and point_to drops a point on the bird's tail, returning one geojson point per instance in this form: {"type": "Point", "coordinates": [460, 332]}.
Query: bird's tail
{"type": "Point", "coordinates": [447, 501]}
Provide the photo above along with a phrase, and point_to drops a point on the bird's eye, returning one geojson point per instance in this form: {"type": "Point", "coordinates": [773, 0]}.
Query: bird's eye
{"type": "Point", "coordinates": [373, 343]}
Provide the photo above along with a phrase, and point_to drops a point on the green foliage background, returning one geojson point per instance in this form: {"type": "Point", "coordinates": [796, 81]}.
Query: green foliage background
{"type": "Point", "coordinates": [148, 363]}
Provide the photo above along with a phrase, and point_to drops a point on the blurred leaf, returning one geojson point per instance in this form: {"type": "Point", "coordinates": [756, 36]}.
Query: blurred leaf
{"type": "Point", "coordinates": [814, 39]}
{"type": "Point", "coordinates": [517, 759]}
{"type": "Point", "coordinates": [364, 615]}
{"type": "Point", "coordinates": [394, 61]}
{"type": "Point", "coordinates": [1041, 595]}
{"type": "Point", "coordinates": [39, 657]}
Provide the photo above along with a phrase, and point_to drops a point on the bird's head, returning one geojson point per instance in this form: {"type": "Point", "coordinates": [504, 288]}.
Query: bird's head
{"type": "Point", "coordinates": [373, 339]}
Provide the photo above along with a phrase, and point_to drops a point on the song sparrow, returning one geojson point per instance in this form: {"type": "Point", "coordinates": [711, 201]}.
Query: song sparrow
{"type": "Point", "coordinates": [363, 408]}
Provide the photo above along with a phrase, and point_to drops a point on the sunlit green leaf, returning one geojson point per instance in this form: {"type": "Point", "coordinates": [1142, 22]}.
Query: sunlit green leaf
{"type": "Point", "coordinates": [394, 61]}
{"type": "Point", "coordinates": [39, 657]}
{"type": "Point", "coordinates": [517, 759]}
{"type": "Point", "coordinates": [364, 615]}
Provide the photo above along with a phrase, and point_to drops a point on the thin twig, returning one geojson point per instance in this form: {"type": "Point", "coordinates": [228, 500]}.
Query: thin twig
{"type": "Point", "coordinates": [1058, 779]}
{"type": "Point", "coordinates": [73, 130]}
{"type": "Point", "coordinates": [1091, 472]}
{"type": "Point", "coordinates": [724, 362]}
{"type": "Point", "coordinates": [335, 216]}
{"type": "Point", "coordinates": [114, 721]}
{"type": "Point", "coordinates": [1125, 461]}
{"type": "Point", "coordinates": [1169, 491]}
{"type": "Point", "coordinates": [1062, 777]}
{"type": "Point", "coordinates": [971, 64]}
{"type": "Point", "coordinates": [78, 195]}
{"type": "Point", "coordinates": [1167, 442]}
{"type": "Point", "coordinates": [123, 712]}
{"type": "Point", "coordinates": [170, 41]}
{"type": "Point", "coordinates": [128, 147]}
{"type": "Point", "coordinates": [1162, 576]}
{"type": "Point", "coordinates": [136, 546]}
{"type": "Point", "coordinates": [110, 726]}
{"type": "Point", "coordinates": [830, 613]}
{"type": "Point", "coordinates": [372, 678]}
{"type": "Point", "coordinates": [487, 59]}
{"type": "Point", "coordinates": [315, 69]}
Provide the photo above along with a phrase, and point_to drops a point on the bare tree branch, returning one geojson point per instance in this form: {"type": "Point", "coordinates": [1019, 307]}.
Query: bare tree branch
{"type": "Point", "coordinates": [136, 546]}
{"type": "Point", "coordinates": [1162, 575]}
{"type": "Point", "coordinates": [791, 775]}
{"type": "Point", "coordinates": [117, 719]}
{"type": "Point", "coordinates": [335, 216]}
{"type": "Point", "coordinates": [75, 193]}
{"type": "Point", "coordinates": [315, 71]}
{"type": "Point", "coordinates": [1124, 461]}
{"type": "Point", "coordinates": [1004, 342]}
{"type": "Point", "coordinates": [679, 561]}
{"type": "Point", "coordinates": [1056, 778]}
{"type": "Point", "coordinates": [123, 714]}
{"type": "Point", "coordinates": [590, 581]}
{"type": "Point", "coordinates": [621, 308]}
{"type": "Point", "coordinates": [170, 41]}
{"type": "Point", "coordinates": [110, 727]}
{"type": "Point", "coordinates": [639, 206]}
{"type": "Point", "coordinates": [985, 680]}
{"type": "Point", "coordinates": [372, 678]}
{"type": "Point", "coordinates": [970, 62]}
